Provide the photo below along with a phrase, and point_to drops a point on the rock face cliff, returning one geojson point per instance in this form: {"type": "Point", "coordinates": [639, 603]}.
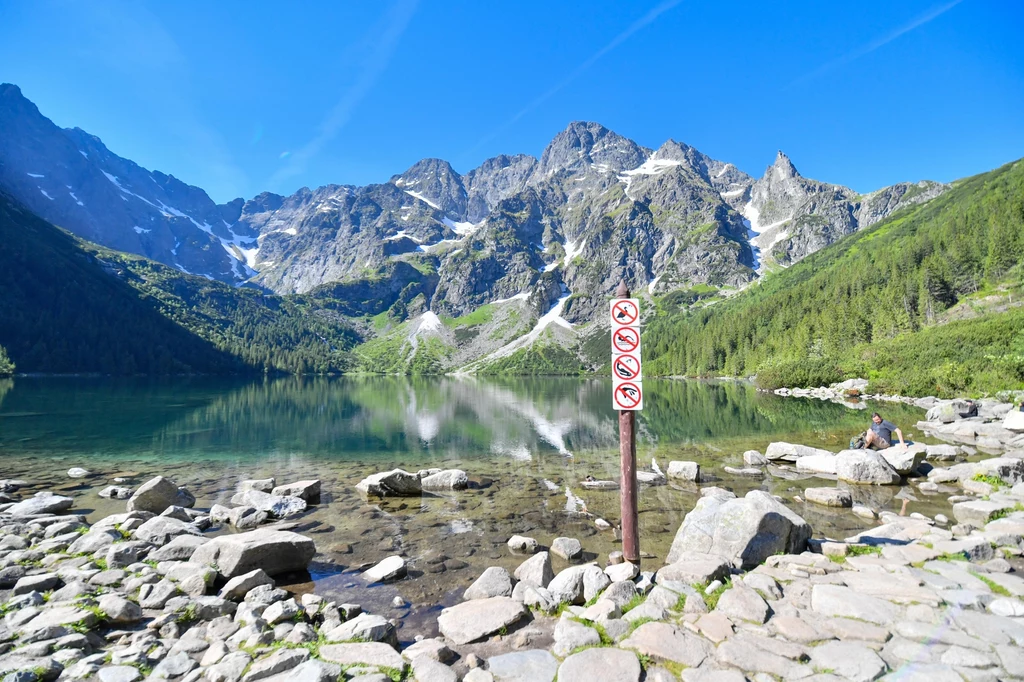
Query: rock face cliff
{"type": "Point", "coordinates": [552, 236]}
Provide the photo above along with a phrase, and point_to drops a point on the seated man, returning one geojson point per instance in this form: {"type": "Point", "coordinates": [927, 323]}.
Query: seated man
{"type": "Point", "coordinates": [879, 436]}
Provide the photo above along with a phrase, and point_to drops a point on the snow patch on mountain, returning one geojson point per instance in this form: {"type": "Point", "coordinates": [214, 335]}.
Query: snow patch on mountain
{"type": "Point", "coordinates": [422, 198]}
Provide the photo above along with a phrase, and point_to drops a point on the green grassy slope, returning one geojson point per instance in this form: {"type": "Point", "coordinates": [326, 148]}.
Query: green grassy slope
{"type": "Point", "coordinates": [69, 306]}
{"type": "Point", "coordinates": [873, 304]}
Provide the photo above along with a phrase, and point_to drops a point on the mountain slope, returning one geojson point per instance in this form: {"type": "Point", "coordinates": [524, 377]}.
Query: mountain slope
{"type": "Point", "coordinates": [69, 306]}
{"type": "Point", "coordinates": [871, 302]}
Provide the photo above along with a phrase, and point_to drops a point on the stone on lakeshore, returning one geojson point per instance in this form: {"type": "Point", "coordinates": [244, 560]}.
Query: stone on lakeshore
{"type": "Point", "coordinates": [942, 452]}
{"type": "Point", "coordinates": [264, 485]}
{"type": "Point", "coordinates": [1014, 421]}
{"type": "Point", "coordinates": [36, 583]}
{"type": "Point", "coordinates": [745, 531]}
{"type": "Point", "coordinates": [600, 664]}
{"type": "Point", "coordinates": [275, 551]}
{"type": "Point", "coordinates": [94, 540]}
{"type": "Point", "coordinates": [522, 544]}
{"type": "Point", "coordinates": [305, 490]}
{"type": "Point", "coordinates": [180, 548]}
{"type": "Point", "coordinates": [904, 459]}
{"type": "Point", "coordinates": [570, 634]}
{"type": "Point", "coordinates": [864, 512]}
{"type": "Point", "coordinates": [620, 593]}
{"type": "Point", "coordinates": [865, 467]}
{"type": "Point", "coordinates": [160, 530]}
{"type": "Point", "coordinates": [391, 568]}
{"type": "Point", "coordinates": [838, 600]}
{"type": "Point", "coordinates": [432, 647]}
{"type": "Point", "coordinates": [276, 506]}
{"type": "Point", "coordinates": [650, 478]}
{"type": "Point", "coordinates": [115, 492]}
{"type": "Point", "coordinates": [119, 610]}
{"type": "Point", "coordinates": [694, 567]}
{"type": "Point", "coordinates": [830, 497]}
{"type": "Point", "coordinates": [280, 611]}
{"type": "Point", "coordinates": [749, 657]}
{"type": "Point", "coordinates": [158, 494]}
{"type": "Point", "coordinates": [569, 549]}
{"type": "Point", "coordinates": [791, 452]}
{"type": "Point", "coordinates": [599, 485]}
{"type": "Point", "coordinates": [77, 472]}
{"type": "Point", "coordinates": [753, 458]}
{"type": "Point", "coordinates": [493, 582]}
{"type": "Point", "coordinates": [370, 654]}
{"type": "Point", "coordinates": [849, 660]}
{"type": "Point", "coordinates": [666, 642]}
{"type": "Point", "coordinates": [817, 464]}
{"type": "Point", "coordinates": [426, 669]}
{"type": "Point", "coordinates": [536, 570]}
{"type": "Point", "coordinates": [946, 411]}
{"type": "Point", "coordinates": [743, 603]}
{"type": "Point", "coordinates": [229, 668]}
{"type": "Point", "coordinates": [395, 483]}
{"type": "Point", "coordinates": [980, 512]}
{"type": "Point", "coordinates": [753, 472]}
{"type": "Point", "coordinates": [236, 588]}
{"type": "Point", "coordinates": [624, 571]}
{"type": "Point", "coordinates": [449, 479]}
{"type": "Point", "coordinates": [473, 620]}
{"type": "Point", "coordinates": [534, 665]}
{"type": "Point", "coordinates": [366, 627]}
{"type": "Point", "coordinates": [687, 471]}
{"type": "Point", "coordinates": [118, 673]}
{"type": "Point", "coordinates": [56, 616]}
{"type": "Point", "coordinates": [41, 503]}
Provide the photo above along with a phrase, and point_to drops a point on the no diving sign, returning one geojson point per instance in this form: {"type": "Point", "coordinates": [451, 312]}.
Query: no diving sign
{"type": "Point", "coordinates": [627, 371]}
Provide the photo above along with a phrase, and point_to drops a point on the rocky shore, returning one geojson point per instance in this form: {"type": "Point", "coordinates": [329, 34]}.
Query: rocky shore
{"type": "Point", "coordinates": [748, 590]}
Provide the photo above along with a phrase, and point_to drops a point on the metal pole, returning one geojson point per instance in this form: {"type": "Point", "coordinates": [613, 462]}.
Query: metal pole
{"type": "Point", "coordinates": [627, 456]}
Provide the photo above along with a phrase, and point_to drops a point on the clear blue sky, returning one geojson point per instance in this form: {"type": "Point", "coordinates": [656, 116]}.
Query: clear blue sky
{"type": "Point", "coordinates": [241, 97]}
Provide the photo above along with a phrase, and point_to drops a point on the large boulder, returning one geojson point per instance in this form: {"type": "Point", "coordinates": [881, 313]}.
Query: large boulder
{"type": "Point", "coordinates": [449, 479]}
{"type": "Point", "coordinates": [160, 530]}
{"type": "Point", "coordinates": [391, 484]}
{"type": "Point", "coordinates": [476, 619]}
{"type": "Point", "coordinates": [42, 503]}
{"type": "Point", "coordinates": [278, 506]}
{"type": "Point", "coordinates": [865, 467]}
{"type": "Point", "coordinates": [745, 530]}
{"type": "Point", "coordinates": [157, 494]}
{"type": "Point", "coordinates": [1014, 421]}
{"type": "Point", "coordinates": [791, 452]}
{"type": "Point", "coordinates": [817, 464]}
{"type": "Point", "coordinates": [687, 471]}
{"type": "Point", "coordinates": [275, 551]}
{"type": "Point", "coordinates": [905, 459]}
{"type": "Point", "coordinates": [307, 490]}
{"type": "Point", "coordinates": [946, 411]}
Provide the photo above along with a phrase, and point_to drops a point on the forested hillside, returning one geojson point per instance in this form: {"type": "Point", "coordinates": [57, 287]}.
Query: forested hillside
{"type": "Point", "coordinates": [878, 303]}
{"type": "Point", "coordinates": [69, 306]}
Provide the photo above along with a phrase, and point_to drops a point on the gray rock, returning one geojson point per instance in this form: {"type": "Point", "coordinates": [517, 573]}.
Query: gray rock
{"type": "Point", "coordinates": [942, 452]}
{"type": "Point", "coordinates": [306, 490]}
{"type": "Point", "coordinates": [817, 464]}
{"type": "Point", "coordinates": [493, 582]}
{"type": "Point", "coordinates": [160, 530]}
{"type": "Point", "coordinates": [449, 479]}
{"type": "Point", "coordinates": [281, 611]}
{"type": "Point", "coordinates": [431, 647]}
{"type": "Point", "coordinates": [155, 495]}
{"type": "Point", "coordinates": [42, 503]}
{"type": "Point", "coordinates": [391, 568]}
{"type": "Point", "coordinates": [370, 654]}
{"type": "Point", "coordinates": [114, 492]}
{"type": "Point", "coordinates": [743, 603]}
{"type": "Point", "coordinates": [427, 669]}
{"type": "Point", "coordinates": [118, 673]}
{"type": "Point", "coordinates": [569, 549]}
{"type": "Point", "coordinates": [522, 544]}
{"type": "Point", "coordinates": [280, 661]}
{"type": "Point", "coordinates": [600, 664]}
{"type": "Point", "coordinates": [366, 627]}
{"type": "Point", "coordinates": [473, 620]}
{"type": "Point", "coordinates": [980, 512]}
{"type": "Point", "coordinates": [753, 458]}
{"type": "Point", "coordinates": [694, 567]}
{"type": "Point", "coordinates": [155, 596]}
{"type": "Point", "coordinates": [904, 459]}
{"type": "Point", "coordinates": [744, 530]}
{"type": "Point", "coordinates": [276, 506]}
{"type": "Point", "coordinates": [790, 452]}
{"type": "Point", "coordinates": [230, 668]}
{"type": "Point", "coordinates": [239, 586]}
{"type": "Point", "coordinates": [42, 582]}
{"type": "Point", "coordinates": [751, 658]}
{"type": "Point", "coordinates": [393, 483]}
{"type": "Point", "coordinates": [535, 665]}
{"type": "Point", "coordinates": [263, 485]}
{"type": "Point", "coordinates": [181, 548]}
{"type": "Point", "coordinates": [837, 600]}
{"type": "Point", "coordinates": [865, 467]}
{"type": "Point", "coordinates": [119, 610]}
{"type": "Point", "coordinates": [830, 497]}
{"type": "Point", "coordinates": [850, 660]}
{"type": "Point", "coordinates": [686, 471]}
{"type": "Point", "coordinates": [275, 551]}
{"type": "Point", "coordinates": [536, 570]}
{"type": "Point", "coordinates": [570, 635]}
{"type": "Point", "coordinates": [620, 593]}
{"type": "Point", "coordinates": [666, 642]}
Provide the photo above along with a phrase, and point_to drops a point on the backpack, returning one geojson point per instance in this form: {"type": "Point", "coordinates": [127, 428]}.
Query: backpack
{"type": "Point", "coordinates": [857, 442]}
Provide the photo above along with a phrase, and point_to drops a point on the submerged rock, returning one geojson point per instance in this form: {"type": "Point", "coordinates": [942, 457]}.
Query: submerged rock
{"type": "Point", "coordinates": [397, 482]}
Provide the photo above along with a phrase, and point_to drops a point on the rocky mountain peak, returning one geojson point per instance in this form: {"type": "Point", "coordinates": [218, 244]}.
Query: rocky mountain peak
{"type": "Point", "coordinates": [783, 168]}
{"type": "Point", "coordinates": [435, 182]}
{"type": "Point", "coordinates": [585, 143]}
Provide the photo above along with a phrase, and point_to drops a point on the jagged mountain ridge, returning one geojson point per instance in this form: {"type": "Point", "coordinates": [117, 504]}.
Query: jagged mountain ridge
{"type": "Point", "coordinates": [555, 234]}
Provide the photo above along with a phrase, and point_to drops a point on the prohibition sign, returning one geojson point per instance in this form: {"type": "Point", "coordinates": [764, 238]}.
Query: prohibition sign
{"type": "Point", "coordinates": [625, 312]}
{"type": "Point", "coordinates": [626, 367]}
{"type": "Point", "coordinates": [628, 396]}
{"type": "Point", "coordinates": [625, 339]}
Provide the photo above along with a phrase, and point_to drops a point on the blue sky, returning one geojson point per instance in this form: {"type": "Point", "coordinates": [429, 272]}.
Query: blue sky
{"type": "Point", "coordinates": [241, 97]}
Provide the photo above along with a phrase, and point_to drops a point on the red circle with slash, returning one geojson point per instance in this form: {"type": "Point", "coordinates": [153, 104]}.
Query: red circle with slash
{"type": "Point", "coordinates": [627, 395]}
{"type": "Point", "coordinates": [625, 340]}
{"type": "Point", "coordinates": [626, 367]}
{"type": "Point", "coordinates": [625, 312]}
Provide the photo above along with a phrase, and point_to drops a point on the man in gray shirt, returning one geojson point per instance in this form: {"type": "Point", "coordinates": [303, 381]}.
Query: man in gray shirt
{"type": "Point", "coordinates": [879, 436]}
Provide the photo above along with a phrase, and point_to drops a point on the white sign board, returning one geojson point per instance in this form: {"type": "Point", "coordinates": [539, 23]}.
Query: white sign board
{"type": "Point", "coordinates": [627, 365]}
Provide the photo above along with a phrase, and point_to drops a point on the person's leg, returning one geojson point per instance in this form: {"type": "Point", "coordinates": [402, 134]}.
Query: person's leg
{"type": "Point", "coordinates": [869, 439]}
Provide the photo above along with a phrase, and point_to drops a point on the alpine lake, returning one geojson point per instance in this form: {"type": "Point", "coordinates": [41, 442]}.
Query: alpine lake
{"type": "Point", "coordinates": [526, 443]}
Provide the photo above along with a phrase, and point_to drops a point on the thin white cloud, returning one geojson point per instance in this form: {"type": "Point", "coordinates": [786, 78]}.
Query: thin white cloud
{"type": "Point", "coordinates": [382, 47]}
{"type": "Point", "coordinates": [923, 19]}
{"type": "Point", "coordinates": [637, 25]}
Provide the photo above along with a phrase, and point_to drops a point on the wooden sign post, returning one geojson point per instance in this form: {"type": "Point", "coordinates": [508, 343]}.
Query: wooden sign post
{"type": "Point", "coordinates": [627, 398]}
